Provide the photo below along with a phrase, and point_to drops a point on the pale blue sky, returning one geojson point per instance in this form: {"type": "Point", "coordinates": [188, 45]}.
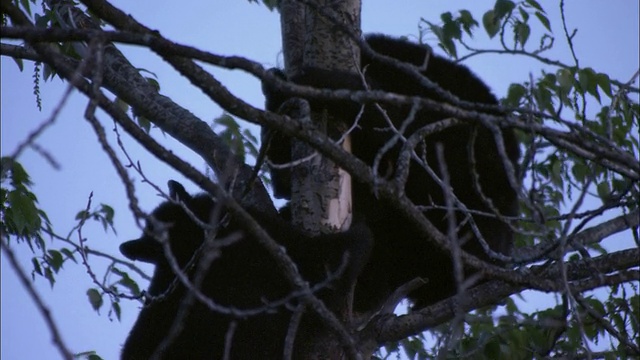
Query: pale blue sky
{"type": "Point", "coordinates": [607, 40]}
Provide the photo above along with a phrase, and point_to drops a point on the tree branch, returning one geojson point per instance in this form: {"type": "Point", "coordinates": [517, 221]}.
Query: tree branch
{"type": "Point", "coordinates": [394, 328]}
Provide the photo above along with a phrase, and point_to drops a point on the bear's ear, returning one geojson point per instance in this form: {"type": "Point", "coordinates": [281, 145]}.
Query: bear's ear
{"type": "Point", "coordinates": [177, 191]}
{"type": "Point", "coordinates": [142, 249]}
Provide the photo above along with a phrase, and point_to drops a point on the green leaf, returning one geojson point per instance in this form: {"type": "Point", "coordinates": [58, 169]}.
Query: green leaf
{"type": "Point", "coordinates": [19, 176]}
{"type": "Point", "coordinates": [556, 173]}
{"type": "Point", "coordinates": [48, 274]}
{"type": "Point", "coordinates": [82, 215]}
{"type": "Point", "coordinates": [55, 259]}
{"type": "Point", "coordinates": [19, 63]}
{"type": "Point", "coordinates": [604, 191]}
{"type": "Point", "coordinates": [467, 21]}
{"type": "Point", "coordinates": [127, 281]}
{"type": "Point", "coordinates": [515, 94]}
{"type": "Point", "coordinates": [503, 7]}
{"type": "Point", "coordinates": [543, 20]}
{"type": "Point", "coordinates": [36, 266]}
{"type": "Point", "coordinates": [446, 17]}
{"type": "Point", "coordinates": [565, 79]}
{"type": "Point", "coordinates": [154, 83]}
{"type": "Point", "coordinates": [604, 82]}
{"type": "Point", "coordinates": [544, 99]}
{"type": "Point", "coordinates": [449, 46]}
{"type": "Point", "coordinates": [491, 23]}
{"type": "Point", "coordinates": [445, 41]}
{"type": "Point", "coordinates": [144, 123]}
{"type": "Point", "coordinates": [108, 212]}
{"type": "Point", "coordinates": [524, 15]}
{"type": "Point", "coordinates": [69, 254]}
{"type": "Point", "coordinates": [492, 350]}
{"type": "Point", "coordinates": [47, 71]}
{"type": "Point", "coordinates": [597, 305]}
{"type": "Point", "coordinates": [121, 104]}
{"type": "Point", "coordinates": [588, 81]}
{"type": "Point", "coordinates": [116, 309]}
{"type": "Point", "coordinates": [522, 32]}
{"type": "Point", "coordinates": [579, 171]}
{"type": "Point", "coordinates": [105, 215]}
{"type": "Point", "coordinates": [270, 4]}
{"type": "Point", "coordinates": [511, 306]}
{"type": "Point", "coordinates": [88, 355]}
{"type": "Point", "coordinates": [23, 212]}
{"type": "Point", "coordinates": [450, 28]}
{"type": "Point", "coordinates": [95, 299]}
{"type": "Point", "coordinates": [143, 70]}
{"type": "Point", "coordinates": [41, 21]}
{"type": "Point", "coordinates": [534, 4]}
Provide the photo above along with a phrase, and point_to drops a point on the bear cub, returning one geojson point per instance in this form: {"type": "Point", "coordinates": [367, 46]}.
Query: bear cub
{"type": "Point", "coordinates": [242, 277]}
{"type": "Point", "coordinates": [477, 172]}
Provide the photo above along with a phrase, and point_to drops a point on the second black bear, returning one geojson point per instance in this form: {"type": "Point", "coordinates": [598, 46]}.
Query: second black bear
{"type": "Point", "coordinates": [399, 250]}
{"type": "Point", "coordinates": [242, 276]}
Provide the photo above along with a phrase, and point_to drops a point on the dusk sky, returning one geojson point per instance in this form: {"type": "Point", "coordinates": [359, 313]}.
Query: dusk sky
{"type": "Point", "coordinates": [606, 40]}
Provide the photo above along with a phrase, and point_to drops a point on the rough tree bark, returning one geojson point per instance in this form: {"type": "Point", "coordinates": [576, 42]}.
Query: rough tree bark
{"type": "Point", "coordinates": [314, 36]}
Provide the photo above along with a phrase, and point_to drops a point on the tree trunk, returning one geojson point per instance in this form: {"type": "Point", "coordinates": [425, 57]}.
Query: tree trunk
{"type": "Point", "coordinates": [316, 36]}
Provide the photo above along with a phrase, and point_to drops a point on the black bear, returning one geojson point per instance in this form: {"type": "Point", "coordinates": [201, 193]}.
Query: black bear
{"type": "Point", "coordinates": [399, 250]}
{"type": "Point", "coordinates": [242, 276]}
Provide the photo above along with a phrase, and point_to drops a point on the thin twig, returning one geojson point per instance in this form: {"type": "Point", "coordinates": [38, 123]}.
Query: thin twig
{"type": "Point", "coordinates": [44, 310]}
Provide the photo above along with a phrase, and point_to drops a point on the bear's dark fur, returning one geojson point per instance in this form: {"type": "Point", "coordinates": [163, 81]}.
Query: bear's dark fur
{"type": "Point", "coordinates": [400, 253]}
{"type": "Point", "coordinates": [242, 276]}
